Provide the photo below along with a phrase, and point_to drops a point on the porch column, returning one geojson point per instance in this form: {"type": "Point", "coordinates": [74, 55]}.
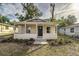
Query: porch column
{"type": "Point", "coordinates": [25, 28]}
{"type": "Point", "coordinates": [36, 28]}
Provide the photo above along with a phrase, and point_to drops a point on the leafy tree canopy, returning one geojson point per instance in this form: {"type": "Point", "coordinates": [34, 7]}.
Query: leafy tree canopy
{"type": "Point", "coordinates": [30, 11]}
{"type": "Point", "coordinates": [71, 19]}
{"type": "Point", "coordinates": [4, 19]}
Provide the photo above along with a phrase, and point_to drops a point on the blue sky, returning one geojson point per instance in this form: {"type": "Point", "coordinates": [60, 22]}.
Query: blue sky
{"type": "Point", "coordinates": [61, 9]}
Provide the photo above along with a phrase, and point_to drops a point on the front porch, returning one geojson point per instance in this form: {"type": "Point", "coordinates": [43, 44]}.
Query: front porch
{"type": "Point", "coordinates": [32, 30]}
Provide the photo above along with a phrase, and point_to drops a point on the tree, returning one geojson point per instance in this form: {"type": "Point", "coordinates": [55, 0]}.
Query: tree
{"type": "Point", "coordinates": [30, 11]}
{"type": "Point", "coordinates": [4, 19]}
{"type": "Point", "coordinates": [63, 22]}
{"type": "Point", "coordinates": [71, 19]}
{"type": "Point", "coordinates": [52, 5]}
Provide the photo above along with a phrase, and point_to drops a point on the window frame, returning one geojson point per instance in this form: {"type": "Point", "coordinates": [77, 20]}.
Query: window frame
{"type": "Point", "coordinates": [72, 30]}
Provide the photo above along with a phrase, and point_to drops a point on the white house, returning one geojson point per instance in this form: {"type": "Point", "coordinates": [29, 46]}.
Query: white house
{"type": "Point", "coordinates": [6, 29]}
{"type": "Point", "coordinates": [72, 30]}
{"type": "Point", "coordinates": [39, 29]}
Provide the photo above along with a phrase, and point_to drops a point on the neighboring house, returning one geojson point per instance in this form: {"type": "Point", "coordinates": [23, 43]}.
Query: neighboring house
{"type": "Point", "coordinates": [72, 30]}
{"type": "Point", "coordinates": [38, 29]}
{"type": "Point", "coordinates": [6, 28]}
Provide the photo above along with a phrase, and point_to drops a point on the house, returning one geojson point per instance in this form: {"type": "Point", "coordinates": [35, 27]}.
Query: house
{"type": "Point", "coordinates": [6, 28]}
{"type": "Point", "coordinates": [38, 29]}
{"type": "Point", "coordinates": [72, 30]}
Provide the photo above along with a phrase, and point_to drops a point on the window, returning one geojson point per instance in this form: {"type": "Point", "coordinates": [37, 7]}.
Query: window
{"type": "Point", "coordinates": [72, 30]}
{"type": "Point", "coordinates": [48, 29]}
{"type": "Point", "coordinates": [28, 30]}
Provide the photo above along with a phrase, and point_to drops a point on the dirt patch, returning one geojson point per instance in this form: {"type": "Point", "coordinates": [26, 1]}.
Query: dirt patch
{"type": "Point", "coordinates": [13, 49]}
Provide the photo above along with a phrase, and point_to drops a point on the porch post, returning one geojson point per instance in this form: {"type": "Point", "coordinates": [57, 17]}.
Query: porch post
{"type": "Point", "coordinates": [25, 28]}
{"type": "Point", "coordinates": [36, 29]}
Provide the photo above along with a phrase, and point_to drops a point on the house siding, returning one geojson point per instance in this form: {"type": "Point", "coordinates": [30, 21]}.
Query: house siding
{"type": "Point", "coordinates": [68, 32]}
{"type": "Point", "coordinates": [34, 32]}
{"type": "Point", "coordinates": [3, 29]}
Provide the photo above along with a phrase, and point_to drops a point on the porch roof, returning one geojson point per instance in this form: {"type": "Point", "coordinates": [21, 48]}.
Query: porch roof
{"type": "Point", "coordinates": [35, 21]}
{"type": "Point", "coordinates": [4, 24]}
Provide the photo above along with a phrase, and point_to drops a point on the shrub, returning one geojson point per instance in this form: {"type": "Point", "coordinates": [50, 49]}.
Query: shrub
{"type": "Point", "coordinates": [68, 41]}
{"type": "Point", "coordinates": [31, 39]}
{"type": "Point", "coordinates": [61, 42]}
{"type": "Point", "coordinates": [30, 42]}
{"type": "Point", "coordinates": [3, 41]}
{"type": "Point", "coordinates": [10, 37]}
{"type": "Point", "coordinates": [52, 42]}
{"type": "Point", "coordinates": [15, 40]}
{"type": "Point", "coordinates": [20, 40]}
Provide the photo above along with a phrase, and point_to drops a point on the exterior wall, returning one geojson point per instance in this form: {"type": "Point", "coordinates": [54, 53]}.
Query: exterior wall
{"type": "Point", "coordinates": [34, 32]}
{"type": "Point", "coordinates": [52, 34]}
{"type": "Point", "coordinates": [21, 29]}
{"type": "Point", "coordinates": [33, 28]}
{"type": "Point", "coordinates": [3, 29]}
{"type": "Point", "coordinates": [25, 36]}
{"type": "Point", "coordinates": [67, 31]}
{"type": "Point", "coordinates": [76, 31]}
{"type": "Point", "coordinates": [28, 36]}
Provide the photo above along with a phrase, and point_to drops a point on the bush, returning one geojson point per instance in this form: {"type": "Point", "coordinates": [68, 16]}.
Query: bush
{"type": "Point", "coordinates": [6, 40]}
{"type": "Point", "coordinates": [52, 42]}
{"type": "Point", "coordinates": [10, 37]}
{"type": "Point", "coordinates": [31, 39]}
{"type": "Point", "coordinates": [26, 41]}
{"type": "Point", "coordinates": [3, 41]}
{"type": "Point", "coordinates": [30, 42]}
{"type": "Point", "coordinates": [59, 42]}
{"type": "Point", "coordinates": [20, 40]}
{"type": "Point", "coordinates": [15, 40]}
{"type": "Point", "coordinates": [68, 41]}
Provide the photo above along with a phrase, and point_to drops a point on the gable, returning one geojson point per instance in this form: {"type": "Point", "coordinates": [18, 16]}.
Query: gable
{"type": "Point", "coordinates": [36, 20]}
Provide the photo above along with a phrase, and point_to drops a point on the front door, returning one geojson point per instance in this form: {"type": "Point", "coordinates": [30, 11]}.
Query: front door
{"type": "Point", "coordinates": [40, 30]}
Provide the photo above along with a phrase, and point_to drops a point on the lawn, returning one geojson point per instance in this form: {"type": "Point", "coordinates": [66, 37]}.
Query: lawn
{"type": "Point", "coordinates": [5, 35]}
{"type": "Point", "coordinates": [21, 49]}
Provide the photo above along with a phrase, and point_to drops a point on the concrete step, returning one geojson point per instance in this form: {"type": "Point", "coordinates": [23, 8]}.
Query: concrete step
{"type": "Point", "coordinates": [40, 42]}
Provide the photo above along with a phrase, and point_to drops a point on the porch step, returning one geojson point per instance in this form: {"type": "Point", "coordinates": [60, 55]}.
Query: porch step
{"type": "Point", "coordinates": [40, 42]}
{"type": "Point", "coordinates": [36, 42]}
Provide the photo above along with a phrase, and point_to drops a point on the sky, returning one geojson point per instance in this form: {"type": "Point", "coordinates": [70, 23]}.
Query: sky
{"type": "Point", "coordinates": [61, 9]}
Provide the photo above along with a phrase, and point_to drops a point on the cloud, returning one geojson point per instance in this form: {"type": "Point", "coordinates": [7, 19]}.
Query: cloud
{"type": "Point", "coordinates": [10, 10]}
{"type": "Point", "coordinates": [61, 9]}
